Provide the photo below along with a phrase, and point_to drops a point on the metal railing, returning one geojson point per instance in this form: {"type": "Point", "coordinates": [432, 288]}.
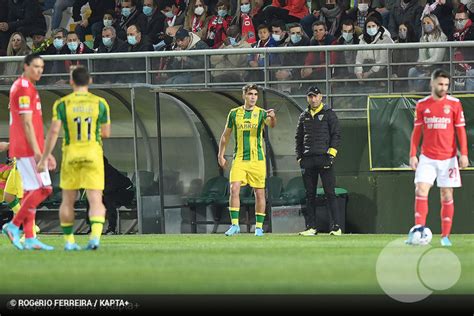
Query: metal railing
{"type": "Point", "coordinates": [158, 69]}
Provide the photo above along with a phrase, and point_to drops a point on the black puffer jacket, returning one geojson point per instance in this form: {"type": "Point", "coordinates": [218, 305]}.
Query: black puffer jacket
{"type": "Point", "coordinates": [315, 135]}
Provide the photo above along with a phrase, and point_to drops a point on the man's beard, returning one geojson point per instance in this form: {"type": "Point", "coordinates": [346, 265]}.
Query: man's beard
{"type": "Point", "coordinates": [440, 93]}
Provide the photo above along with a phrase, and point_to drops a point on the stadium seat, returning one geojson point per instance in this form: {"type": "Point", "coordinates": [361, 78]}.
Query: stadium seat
{"type": "Point", "coordinates": [148, 186]}
{"type": "Point", "coordinates": [214, 192]}
{"type": "Point", "coordinates": [294, 192]}
{"type": "Point", "coordinates": [275, 190]}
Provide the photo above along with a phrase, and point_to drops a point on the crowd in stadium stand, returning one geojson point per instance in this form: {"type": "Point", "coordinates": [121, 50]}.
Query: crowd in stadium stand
{"type": "Point", "coordinates": [107, 26]}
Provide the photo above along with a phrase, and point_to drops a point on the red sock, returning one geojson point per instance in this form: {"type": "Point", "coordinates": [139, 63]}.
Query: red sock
{"type": "Point", "coordinates": [31, 200]}
{"type": "Point", "coordinates": [28, 223]}
{"type": "Point", "coordinates": [447, 213]}
{"type": "Point", "coordinates": [421, 210]}
{"type": "Point", "coordinates": [19, 218]}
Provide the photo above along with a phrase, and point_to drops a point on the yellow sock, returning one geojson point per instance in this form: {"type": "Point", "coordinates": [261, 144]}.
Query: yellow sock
{"type": "Point", "coordinates": [15, 205]}
{"type": "Point", "coordinates": [68, 232]}
{"type": "Point", "coordinates": [97, 225]}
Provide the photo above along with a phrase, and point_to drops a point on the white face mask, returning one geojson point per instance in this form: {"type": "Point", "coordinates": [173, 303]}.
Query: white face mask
{"type": "Point", "coordinates": [199, 10]}
{"type": "Point", "coordinates": [372, 30]}
{"type": "Point", "coordinates": [363, 7]}
{"type": "Point", "coordinates": [276, 37]}
{"type": "Point", "coordinates": [245, 8]}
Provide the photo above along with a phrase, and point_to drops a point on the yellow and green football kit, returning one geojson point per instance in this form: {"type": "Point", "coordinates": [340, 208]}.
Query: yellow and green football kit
{"type": "Point", "coordinates": [82, 114]}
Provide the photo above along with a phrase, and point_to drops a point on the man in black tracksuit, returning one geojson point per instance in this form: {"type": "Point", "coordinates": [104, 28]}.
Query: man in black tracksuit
{"type": "Point", "coordinates": [317, 140]}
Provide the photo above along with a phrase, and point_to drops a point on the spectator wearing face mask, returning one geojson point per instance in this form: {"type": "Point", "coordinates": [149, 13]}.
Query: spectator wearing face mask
{"type": "Point", "coordinates": [331, 12]}
{"type": "Point", "coordinates": [464, 31]}
{"type": "Point", "coordinates": [233, 40]}
{"type": "Point", "coordinates": [244, 18]}
{"type": "Point", "coordinates": [405, 10]}
{"type": "Point", "coordinates": [130, 14]}
{"type": "Point", "coordinates": [443, 10]}
{"type": "Point", "coordinates": [406, 34]}
{"type": "Point", "coordinates": [374, 34]}
{"type": "Point", "coordinates": [360, 13]}
{"type": "Point", "coordinates": [197, 19]}
{"type": "Point", "coordinates": [93, 24]}
{"type": "Point", "coordinates": [76, 47]}
{"type": "Point", "coordinates": [348, 37]}
{"type": "Point", "coordinates": [297, 38]}
{"type": "Point", "coordinates": [218, 25]}
{"type": "Point", "coordinates": [279, 33]}
{"type": "Point", "coordinates": [155, 21]}
{"type": "Point", "coordinates": [58, 47]}
{"type": "Point", "coordinates": [430, 57]}
{"type": "Point", "coordinates": [174, 10]}
{"type": "Point", "coordinates": [109, 20]}
{"type": "Point", "coordinates": [109, 43]}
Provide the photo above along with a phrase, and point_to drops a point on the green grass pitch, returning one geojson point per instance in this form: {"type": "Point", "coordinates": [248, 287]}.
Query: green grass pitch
{"type": "Point", "coordinates": [212, 264]}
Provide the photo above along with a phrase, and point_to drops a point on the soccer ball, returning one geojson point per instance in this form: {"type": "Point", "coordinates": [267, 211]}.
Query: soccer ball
{"type": "Point", "coordinates": [419, 235]}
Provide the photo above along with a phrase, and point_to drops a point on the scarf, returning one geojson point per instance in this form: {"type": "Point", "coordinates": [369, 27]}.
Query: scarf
{"type": "Point", "coordinates": [248, 30]}
{"type": "Point", "coordinates": [197, 25]}
{"type": "Point", "coordinates": [69, 63]}
{"type": "Point", "coordinates": [459, 35]}
{"type": "Point", "coordinates": [216, 30]}
{"type": "Point", "coordinates": [332, 16]}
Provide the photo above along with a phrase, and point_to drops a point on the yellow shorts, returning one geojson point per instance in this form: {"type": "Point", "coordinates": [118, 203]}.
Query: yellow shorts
{"type": "Point", "coordinates": [252, 173]}
{"type": "Point", "coordinates": [10, 181]}
{"type": "Point", "coordinates": [82, 168]}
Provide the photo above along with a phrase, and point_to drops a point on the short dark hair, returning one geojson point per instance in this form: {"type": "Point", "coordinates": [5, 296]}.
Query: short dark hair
{"type": "Point", "coordinates": [80, 76]}
{"type": "Point", "coordinates": [263, 26]}
{"type": "Point", "coordinates": [248, 87]}
{"type": "Point", "coordinates": [440, 73]}
{"type": "Point", "coordinates": [348, 22]}
{"type": "Point", "coordinates": [136, 26]}
{"type": "Point", "coordinates": [293, 25]}
{"type": "Point", "coordinates": [317, 23]}
{"type": "Point", "coordinates": [279, 23]}
{"type": "Point", "coordinates": [29, 58]}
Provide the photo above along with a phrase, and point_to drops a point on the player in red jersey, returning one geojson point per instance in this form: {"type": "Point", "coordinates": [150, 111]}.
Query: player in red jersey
{"type": "Point", "coordinates": [26, 145]}
{"type": "Point", "coordinates": [439, 118]}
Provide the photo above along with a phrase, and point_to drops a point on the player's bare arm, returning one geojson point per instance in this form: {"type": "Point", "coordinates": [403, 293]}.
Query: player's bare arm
{"type": "Point", "coordinates": [27, 122]}
{"type": "Point", "coordinates": [271, 118]}
{"type": "Point", "coordinates": [222, 145]}
{"type": "Point", "coordinates": [51, 140]}
{"type": "Point", "coordinates": [105, 130]}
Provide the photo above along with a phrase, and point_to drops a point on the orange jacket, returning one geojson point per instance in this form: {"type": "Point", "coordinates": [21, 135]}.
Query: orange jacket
{"type": "Point", "coordinates": [296, 7]}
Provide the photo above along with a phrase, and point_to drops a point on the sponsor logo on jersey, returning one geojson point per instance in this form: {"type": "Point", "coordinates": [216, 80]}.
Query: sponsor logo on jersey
{"type": "Point", "coordinates": [435, 122]}
{"type": "Point", "coordinates": [24, 102]}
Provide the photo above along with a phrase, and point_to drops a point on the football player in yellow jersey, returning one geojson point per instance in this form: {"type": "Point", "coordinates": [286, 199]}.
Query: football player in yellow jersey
{"type": "Point", "coordinates": [85, 119]}
{"type": "Point", "coordinates": [247, 123]}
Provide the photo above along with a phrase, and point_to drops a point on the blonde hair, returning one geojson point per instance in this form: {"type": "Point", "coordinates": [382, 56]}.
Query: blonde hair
{"type": "Point", "coordinates": [24, 49]}
{"type": "Point", "coordinates": [190, 14]}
